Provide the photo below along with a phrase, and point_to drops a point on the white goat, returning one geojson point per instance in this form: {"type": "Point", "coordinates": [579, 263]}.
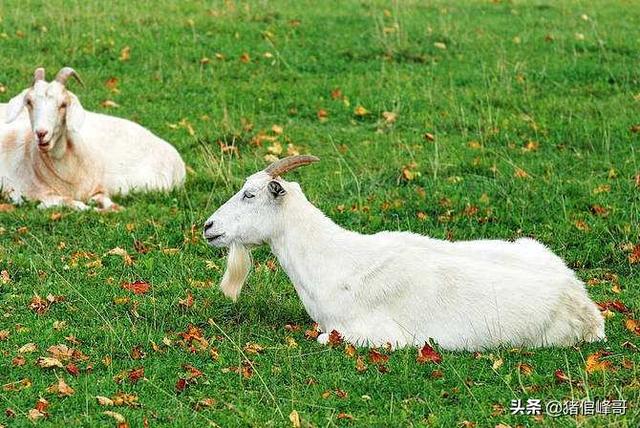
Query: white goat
{"type": "Point", "coordinates": [61, 155]}
{"type": "Point", "coordinates": [398, 287]}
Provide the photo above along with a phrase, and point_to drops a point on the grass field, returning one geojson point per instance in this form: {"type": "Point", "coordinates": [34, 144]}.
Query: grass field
{"type": "Point", "coordinates": [460, 121]}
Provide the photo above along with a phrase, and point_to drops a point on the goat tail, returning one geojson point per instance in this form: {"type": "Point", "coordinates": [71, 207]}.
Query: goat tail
{"type": "Point", "coordinates": [238, 267]}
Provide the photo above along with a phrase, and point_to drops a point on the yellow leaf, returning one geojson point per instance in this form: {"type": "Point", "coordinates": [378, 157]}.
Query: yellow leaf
{"type": "Point", "coordinates": [360, 111]}
{"type": "Point", "coordinates": [125, 53]}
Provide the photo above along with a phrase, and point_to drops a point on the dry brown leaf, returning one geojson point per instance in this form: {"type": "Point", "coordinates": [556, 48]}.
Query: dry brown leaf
{"type": "Point", "coordinates": [49, 362]}
{"type": "Point", "coordinates": [525, 369]}
{"type": "Point", "coordinates": [115, 415]}
{"type": "Point", "coordinates": [61, 388]}
{"type": "Point", "coordinates": [28, 348]}
{"type": "Point", "coordinates": [104, 401]}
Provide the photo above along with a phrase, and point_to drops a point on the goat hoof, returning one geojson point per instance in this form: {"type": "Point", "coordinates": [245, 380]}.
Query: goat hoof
{"type": "Point", "coordinates": [323, 338]}
{"type": "Point", "coordinates": [80, 206]}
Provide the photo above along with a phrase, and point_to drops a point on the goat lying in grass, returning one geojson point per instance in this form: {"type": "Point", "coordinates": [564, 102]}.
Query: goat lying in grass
{"type": "Point", "coordinates": [399, 287]}
{"type": "Point", "coordinates": [61, 155]}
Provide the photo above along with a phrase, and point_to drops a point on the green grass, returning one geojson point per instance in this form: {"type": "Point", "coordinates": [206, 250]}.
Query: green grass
{"type": "Point", "coordinates": [511, 73]}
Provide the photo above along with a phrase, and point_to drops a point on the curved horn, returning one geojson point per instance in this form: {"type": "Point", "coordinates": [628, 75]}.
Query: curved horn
{"type": "Point", "coordinates": [65, 73]}
{"type": "Point", "coordinates": [281, 166]}
{"type": "Point", "coordinates": [38, 74]}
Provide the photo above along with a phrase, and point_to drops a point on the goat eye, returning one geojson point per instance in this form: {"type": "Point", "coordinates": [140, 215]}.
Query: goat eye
{"type": "Point", "coordinates": [28, 103]}
{"type": "Point", "coordinates": [248, 195]}
{"type": "Point", "coordinates": [63, 105]}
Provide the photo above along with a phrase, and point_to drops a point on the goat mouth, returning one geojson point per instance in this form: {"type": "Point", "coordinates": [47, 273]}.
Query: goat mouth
{"type": "Point", "coordinates": [44, 145]}
{"type": "Point", "coordinates": [213, 238]}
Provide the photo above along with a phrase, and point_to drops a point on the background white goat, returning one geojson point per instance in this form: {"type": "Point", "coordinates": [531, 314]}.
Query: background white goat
{"type": "Point", "coordinates": [61, 155]}
{"type": "Point", "coordinates": [399, 287]}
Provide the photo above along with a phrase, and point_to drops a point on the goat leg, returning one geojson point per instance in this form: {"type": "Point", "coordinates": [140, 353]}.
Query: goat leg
{"type": "Point", "coordinates": [51, 201]}
{"type": "Point", "coordinates": [105, 203]}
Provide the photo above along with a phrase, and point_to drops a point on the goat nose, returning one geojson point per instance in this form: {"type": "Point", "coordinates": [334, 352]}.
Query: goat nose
{"type": "Point", "coordinates": [208, 225]}
{"type": "Point", "coordinates": [41, 133]}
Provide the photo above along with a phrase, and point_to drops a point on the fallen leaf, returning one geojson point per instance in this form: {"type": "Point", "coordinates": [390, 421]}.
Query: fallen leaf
{"type": "Point", "coordinates": [335, 339]}
{"type": "Point", "coordinates": [520, 173]}
{"type": "Point", "coordinates": [428, 355]}
{"type": "Point", "coordinates": [341, 393]}
{"type": "Point", "coordinates": [360, 111]}
{"type": "Point", "coordinates": [117, 416]}
{"type": "Point", "coordinates": [104, 401]}
{"type": "Point", "coordinates": [6, 208]}
{"type": "Point", "coordinates": [61, 388]}
{"type": "Point", "coordinates": [245, 58]}
{"type": "Point", "coordinates": [343, 415]}
{"type": "Point", "coordinates": [137, 287]}
{"type": "Point", "coordinates": [634, 257]}
{"type": "Point", "coordinates": [429, 137]}
{"type": "Point", "coordinates": [187, 302]}
{"type": "Point", "coordinates": [360, 365]}
{"type": "Point", "coordinates": [322, 115]}
{"type": "Point", "coordinates": [19, 361]}
{"type": "Point", "coordinates": [525, 369]}
{"type": "Point", "coordinates": [633, 326]}
{"type": "Point", "coordinates": [181, 384]}
{"type": "Point", "coordinates": [313, 332]}
{"type": "Point", "coordinates": [136, 374]}
{"type": "Point", "coordinates": [49, 362]}
{"type": "Point", "coordinates": [350, 351]}
{"type": "Point", "coordinates": [204, 403]}
{"type": "Point", "coordinates": [28, 348]}
{"type": "Point", "coordinates": [38, 304]}
{"type": "Point", "coordinates": [561, 376]}
{"type": "Point", "coordinates": [294, 417]}
{"type": "Point", "coordinates": [117, 251]}
{"type": "Point", "coordinates": [582, 225]}
{"type": "Point", "coordinates": [389, 116]}
{"type": "Point", "coordinates": [595, 364]}
{"type": "Point", "coordinates": [35, 414]}
{"type": "Point", "coordinates": [599, 210]}
{"type": "Point", "coordinates": [72, 369]}
{"type": "Point", "coordinates": [124, 399]}
{"type": "Point", "coordinates": [377, 358]}
{"type": "Point", "coordinates": [440, 45]}
{"type": "Point", "coordinates": [253, 348]}
{"type": "Point", "coordinates": [125, 54]}
{"type": "Point", "coordinates": [615, 305]}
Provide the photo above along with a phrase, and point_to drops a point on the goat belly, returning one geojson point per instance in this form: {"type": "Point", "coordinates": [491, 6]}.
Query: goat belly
{"type": "Point", "coordinates": [467, 303]}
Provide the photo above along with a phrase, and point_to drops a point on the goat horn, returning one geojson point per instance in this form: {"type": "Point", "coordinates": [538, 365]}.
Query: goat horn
{"type": "Point", "coordinates": [65, 73]}
{"type": "Point", "coordinates": [38, 74]}
{"type": "Point", "coordinates": [281, 166]}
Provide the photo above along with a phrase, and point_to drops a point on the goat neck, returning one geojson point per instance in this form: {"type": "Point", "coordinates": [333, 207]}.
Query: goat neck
{"type": "Point", "coordinates": [311, 248]}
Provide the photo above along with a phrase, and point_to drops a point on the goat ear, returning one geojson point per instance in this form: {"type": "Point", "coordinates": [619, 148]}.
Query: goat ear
{"type": "Point", "coordinates": [75, 114]}
{"type": "Point", "coordinates": [276, 189]}
{"type": "Point", "coordinates": [15, 106]}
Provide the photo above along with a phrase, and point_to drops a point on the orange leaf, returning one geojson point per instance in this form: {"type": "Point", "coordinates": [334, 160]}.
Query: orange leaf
{"type": "Point", "coordinates": [377, 358]}
{"type": "Point", "coordinates": [350, 350]}
{"type": "Point", "coordinates": [633, 326]}
{"type": "Point", "coordinates": [428, 355]}
{"type": "Point", "coordinates": [594, 364]}
{"type": "Point", "coordinates": [137, 287]}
